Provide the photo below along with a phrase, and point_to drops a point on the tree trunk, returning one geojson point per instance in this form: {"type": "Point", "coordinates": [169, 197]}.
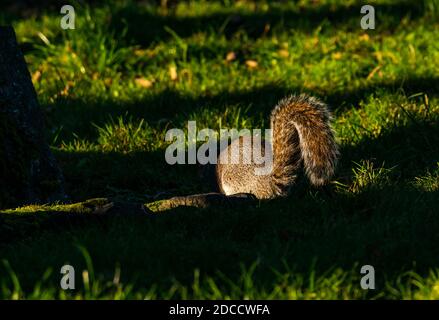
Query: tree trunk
{"type": "Point", "coordinates": [28, 170]}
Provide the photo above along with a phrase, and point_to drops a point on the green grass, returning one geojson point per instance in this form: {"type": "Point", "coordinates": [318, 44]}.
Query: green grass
{"type": "Point", "coordinates": [111, 88]}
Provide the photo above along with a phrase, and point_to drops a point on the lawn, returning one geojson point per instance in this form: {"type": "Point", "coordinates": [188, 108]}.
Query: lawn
{"type": "Point", "coordinates": [111, 88]}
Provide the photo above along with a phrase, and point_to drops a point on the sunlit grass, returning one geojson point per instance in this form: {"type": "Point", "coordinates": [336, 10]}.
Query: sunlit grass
{"type": "Point", "coordinates": [334, 284]}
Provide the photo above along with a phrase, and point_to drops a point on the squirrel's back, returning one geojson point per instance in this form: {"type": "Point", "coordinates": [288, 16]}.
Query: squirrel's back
{"type": "Point", "coordinates": [302, 134]}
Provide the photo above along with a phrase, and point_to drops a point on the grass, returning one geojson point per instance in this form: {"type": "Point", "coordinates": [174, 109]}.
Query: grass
{"type": "Point", "coordinates": [111, 88]}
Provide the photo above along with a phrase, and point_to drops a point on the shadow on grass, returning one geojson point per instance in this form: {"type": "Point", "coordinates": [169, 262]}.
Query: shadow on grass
{"type": "Point", "coordinates": [145, 27]}
{"type": "Point", "coordinates": [388, 225]}
{"type": "Point", "coordinates": [173, 109]}
{"type": "Point", "coordinates": [413, 150]}
{"type": "Point", "coordinates": [139, 175]}
{"type": "Point", "coordinates": [96, 174]}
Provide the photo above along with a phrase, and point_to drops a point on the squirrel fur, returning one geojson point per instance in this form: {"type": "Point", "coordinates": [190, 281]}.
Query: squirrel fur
{"type": "Point", "coordinates": [302, 136]}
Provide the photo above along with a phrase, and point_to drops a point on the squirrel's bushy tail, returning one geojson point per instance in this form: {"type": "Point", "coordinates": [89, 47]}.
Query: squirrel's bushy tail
{"type": "Point", "coordinates": [302, 131]}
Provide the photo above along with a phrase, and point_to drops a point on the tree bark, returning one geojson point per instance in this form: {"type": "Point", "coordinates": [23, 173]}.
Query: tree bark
{"type": "Point", "coordinates": [28, 170]}
{"type": "Point", "coordinates": [203, 201]}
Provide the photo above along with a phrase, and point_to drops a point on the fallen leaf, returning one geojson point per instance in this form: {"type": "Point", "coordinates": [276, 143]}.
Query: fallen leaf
{"type": "Point", "coordinates": [143, 82]}
{"type": "Point", "coordinates": [251, 64]}
{"type": "Point", "coordinates": [173, 73]}
{"type": "Point", "coordinates": [364, 37]}
{"type": "Point", "coordinates": [372, 73]}
{"type": "Point", "coordinates": [36, 76]}
{"type": "Point", "coordinates": [65, 92]}
{"type": "Point", "coordinates": [337, 55]}
{"type": "Point", "coordinates": [283, 53]}
{"type": "Point", "coordinates": [230, 56]}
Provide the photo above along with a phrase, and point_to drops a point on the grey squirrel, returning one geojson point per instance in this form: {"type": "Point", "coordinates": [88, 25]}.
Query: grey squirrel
{"type": "Point", "coordinates": [302, 135]}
